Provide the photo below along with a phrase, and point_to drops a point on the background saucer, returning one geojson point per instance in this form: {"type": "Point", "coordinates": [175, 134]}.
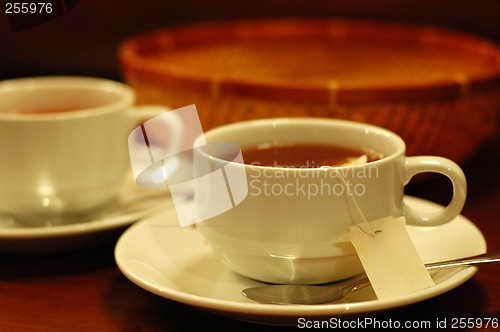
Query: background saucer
{"type": "Point", "coordinates": [132, 204]}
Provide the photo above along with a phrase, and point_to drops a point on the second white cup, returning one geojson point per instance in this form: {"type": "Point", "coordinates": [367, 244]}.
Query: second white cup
{"type": "Point", "coordinates": [63, 144]}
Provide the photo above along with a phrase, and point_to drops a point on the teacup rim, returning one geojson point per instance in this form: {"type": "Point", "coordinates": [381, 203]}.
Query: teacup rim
{"type": "Point", "coordinates": [401, 145]}
{"type": "Point", "coordinates": [96, 83]}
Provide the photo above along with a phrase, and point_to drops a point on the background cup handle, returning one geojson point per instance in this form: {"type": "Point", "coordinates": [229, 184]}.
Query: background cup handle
{"type": "Point", "coordinates": [173, 124]}
{"type": "Point", "coordinates": [163, 121]}
{"type": "Point", "coordinates": [415, 165]}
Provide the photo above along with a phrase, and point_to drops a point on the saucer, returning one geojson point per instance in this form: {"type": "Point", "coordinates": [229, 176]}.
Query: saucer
{"type": "Point", "coordinates": [177, 263]}
{"type": "Point", "coordinates": [132, 204]}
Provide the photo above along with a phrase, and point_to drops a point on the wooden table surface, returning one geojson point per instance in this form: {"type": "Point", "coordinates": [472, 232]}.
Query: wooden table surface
{"type": "Point", "coordinates": [84, 290]}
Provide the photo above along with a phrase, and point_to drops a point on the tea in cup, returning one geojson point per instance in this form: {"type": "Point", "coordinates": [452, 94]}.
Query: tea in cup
{"type": "Point", "coordinates": [305, 177]}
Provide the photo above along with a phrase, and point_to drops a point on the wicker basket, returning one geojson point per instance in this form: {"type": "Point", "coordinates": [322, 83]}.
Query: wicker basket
{"type": "Point", "coordinates": [437, 89]}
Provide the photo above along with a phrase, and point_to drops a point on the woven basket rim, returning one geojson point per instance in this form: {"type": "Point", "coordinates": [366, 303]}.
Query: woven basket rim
{"type": "Point", "coordinates": [328, 92]}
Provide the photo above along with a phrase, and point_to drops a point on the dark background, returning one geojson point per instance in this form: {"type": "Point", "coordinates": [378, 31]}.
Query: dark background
{"type": "Point", "coordinates": [84, 40]}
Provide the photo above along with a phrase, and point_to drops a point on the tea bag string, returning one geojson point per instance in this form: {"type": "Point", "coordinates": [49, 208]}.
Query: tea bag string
{"type": "Point", "coordinates": [370, 232]}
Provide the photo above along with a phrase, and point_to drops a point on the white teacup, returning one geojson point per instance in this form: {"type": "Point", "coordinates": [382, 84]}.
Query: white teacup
{"type": "Point", "coordinates": [289, 234]}
{"type": "Point", "coordinates": [63, 144]}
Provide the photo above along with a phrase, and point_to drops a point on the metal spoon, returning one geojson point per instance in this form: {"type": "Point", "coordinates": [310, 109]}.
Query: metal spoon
{"type": "Point", "coordinates": [339, 292]}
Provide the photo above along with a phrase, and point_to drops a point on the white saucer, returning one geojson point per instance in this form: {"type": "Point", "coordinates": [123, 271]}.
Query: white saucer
{"type": "Point", "coordinates": [133, 204]}
{"type": "Point", "coordinates": [176, 263]}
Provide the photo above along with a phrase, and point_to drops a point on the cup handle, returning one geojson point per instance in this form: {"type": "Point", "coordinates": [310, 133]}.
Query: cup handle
{"type": "Point", "coordinates": [173, 123]}
{"type": "Point", "coordinates": [140, 152]}
{"type": "Point", "coordinates": [421, 164]}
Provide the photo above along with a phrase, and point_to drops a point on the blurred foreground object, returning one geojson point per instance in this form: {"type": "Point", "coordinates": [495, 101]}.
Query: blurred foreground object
{"type": "Point", "coordinates": [437, 89]}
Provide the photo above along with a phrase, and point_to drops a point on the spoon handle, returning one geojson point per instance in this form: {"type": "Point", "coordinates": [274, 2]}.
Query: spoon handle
{"type": "Point", "coordinates": [489, 257]}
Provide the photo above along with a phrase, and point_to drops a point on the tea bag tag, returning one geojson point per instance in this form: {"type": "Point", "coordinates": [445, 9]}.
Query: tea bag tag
{"type": "Point", "coordinates": [389, 257]}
